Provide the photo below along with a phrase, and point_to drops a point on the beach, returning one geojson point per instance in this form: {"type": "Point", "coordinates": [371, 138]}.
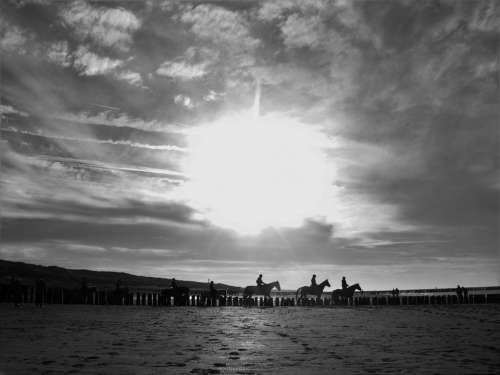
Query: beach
{"type": "Point", "coordinates": [57, 339]}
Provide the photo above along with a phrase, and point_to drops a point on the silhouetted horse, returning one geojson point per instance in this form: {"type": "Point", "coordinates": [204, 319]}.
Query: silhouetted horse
{"type": "Point", "coordinates": [181, 293]}
{"type": "Point", "coordinates": [264, 290]}
{"type": "Point", "coordinates": [306, 290]}
{"type": "Point", "coordinates": [344, 294]}
{"type": "Point", "coordinates": [212, 295]}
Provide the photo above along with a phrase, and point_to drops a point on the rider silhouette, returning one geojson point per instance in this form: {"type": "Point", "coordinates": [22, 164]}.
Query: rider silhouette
{"type": "Point", "coordinates": [259, 281]}
{"type": "Point", "coordinates": [313, 282]}
{"type": "Point", "coordinates": [212, 287]}
{"type": "Point", "coordinates": [344, 283]}
{"type": "Point", "coordinates": [173, 283]}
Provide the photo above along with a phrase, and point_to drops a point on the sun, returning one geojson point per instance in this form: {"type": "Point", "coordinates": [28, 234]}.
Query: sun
{"type": "Point", "coordinates": [250, 172]}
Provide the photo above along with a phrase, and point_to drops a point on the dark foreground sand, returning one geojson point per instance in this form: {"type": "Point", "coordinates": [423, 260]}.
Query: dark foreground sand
{"type": "Point", "coordinates": [232, 340]}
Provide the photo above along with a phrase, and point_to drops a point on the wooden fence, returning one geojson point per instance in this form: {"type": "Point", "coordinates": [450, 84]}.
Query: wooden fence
{"type": "Point", "coordinates": [28, 294]}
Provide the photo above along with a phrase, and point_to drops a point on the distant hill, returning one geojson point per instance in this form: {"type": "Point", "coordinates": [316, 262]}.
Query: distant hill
{"type": "Point", "coordinates": [63, 277]}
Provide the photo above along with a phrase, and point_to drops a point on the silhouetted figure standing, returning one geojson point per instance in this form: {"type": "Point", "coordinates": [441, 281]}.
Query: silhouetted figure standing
{"type": "Point", "coordinates": [459, 293]}
{"type": "Point", "coordinates": [313, 282]}
{"type": "Point", "coordinates": [213, 292]}
{"type": "Point", "coordinates": [173, 283]}
{"type": "Point", "coordinates": [211, 287]}
{"type": "Point", "coordinates": [259, 281]}
{"type": "Point", "coordinates": [344, 283]}
{"type": "Point", "coordinates": [465, 294]}
{"type": "Point", "coordinates": [40, 289]}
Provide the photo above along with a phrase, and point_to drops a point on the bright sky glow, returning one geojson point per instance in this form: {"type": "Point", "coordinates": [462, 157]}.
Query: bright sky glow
{"type": "Point", "coordinates": [248, 173]}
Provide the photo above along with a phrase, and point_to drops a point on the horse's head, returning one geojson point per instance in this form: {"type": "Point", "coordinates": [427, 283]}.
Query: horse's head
{"type": "Point", "coordinates": [278, 285]}
{"type": "Point", "coordinates": [357, 287]}
{"type": "Point", "coordinates": [326, 283]}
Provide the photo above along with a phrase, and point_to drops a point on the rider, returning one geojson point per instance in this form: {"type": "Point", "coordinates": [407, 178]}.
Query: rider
{"type": "Point", "coordinates": [259, 281]}
{"type": "Point", "coordinates": [313, 282]}
{"type": "Point", "coordinates": [173, 283]}
{"type": "Point", "coordinates": [344, 283]}
{"type": "Point", "coordinates": [212, 288]}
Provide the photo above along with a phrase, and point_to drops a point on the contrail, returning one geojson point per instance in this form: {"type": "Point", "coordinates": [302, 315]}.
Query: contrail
{"type": "Point", "coordinates": [256, 102]}
{"type": "Point", "coordinates": [100, 141]}
{"type": "Point", "coordinates": [105, 106]}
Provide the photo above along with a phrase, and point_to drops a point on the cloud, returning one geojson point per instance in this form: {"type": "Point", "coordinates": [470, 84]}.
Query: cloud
{"type": "Point", "coordinates": [22, 3]}
{"type": "Point", "coordinates": [213, 96]}
{"type": "Point", "coordinates": [59, 54]}
{"type": "Point", "coordinates": [117, 119]}
{"type": "Point", "coordinates": [225, 30]}
{"type": "Point", "coordinates": [184, 101]}
{"type": "Point", "coordinates": [12, 38]}
{"type": "Point", "coordinates": [485, 17]}
{"type": "Point", "coordinates": [94, 140]}
{"type": "Point", "coordinates": [107, 27]}
{"type": "Point", "coordinates": [51, 187]}
{"type": "Point", "coordinates": [182, 70]}
{"type": "Point", "coordinates": [277, 10]}
{"type": "Point", "coordinates": [9, 110]}
{"type": "Point", "coordinates": [90, 64]}
{"type": "Point", "coordinates": [194, 63]}
{"type": "Point", "coordinates": [302, 32]}
{"type": "Point", "coordinates": [131, 77]}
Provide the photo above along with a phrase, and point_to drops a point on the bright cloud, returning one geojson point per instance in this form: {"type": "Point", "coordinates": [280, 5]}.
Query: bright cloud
{"type": "Point", "coordinates": [182, 70]}
{"type": "Point", "coordinates": [184, 100]}
{"type": "Point", "coordinates": [131, 77]}
{"type": "Point", "coordinates": [91, 64]}
{"type": "Point", "coordinates": [108, 27]}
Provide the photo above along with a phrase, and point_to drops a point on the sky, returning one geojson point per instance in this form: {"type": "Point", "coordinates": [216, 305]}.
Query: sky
{"type": "Point", "coordinates": [219, 140]}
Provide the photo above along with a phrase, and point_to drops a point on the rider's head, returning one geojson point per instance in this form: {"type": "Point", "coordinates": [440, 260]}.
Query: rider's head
{"type": "Point", "coordinates": [314, 275]}
{"type": "Point", "coordinates": [260, 275]}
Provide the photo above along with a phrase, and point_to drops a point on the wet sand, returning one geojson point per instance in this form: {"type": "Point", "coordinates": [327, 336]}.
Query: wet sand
{"type": "Point", "coordinates": [457, 339]}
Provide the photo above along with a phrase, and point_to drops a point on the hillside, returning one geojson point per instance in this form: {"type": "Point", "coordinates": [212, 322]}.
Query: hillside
{"type": "Point", "coordinates": [69, 278]}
